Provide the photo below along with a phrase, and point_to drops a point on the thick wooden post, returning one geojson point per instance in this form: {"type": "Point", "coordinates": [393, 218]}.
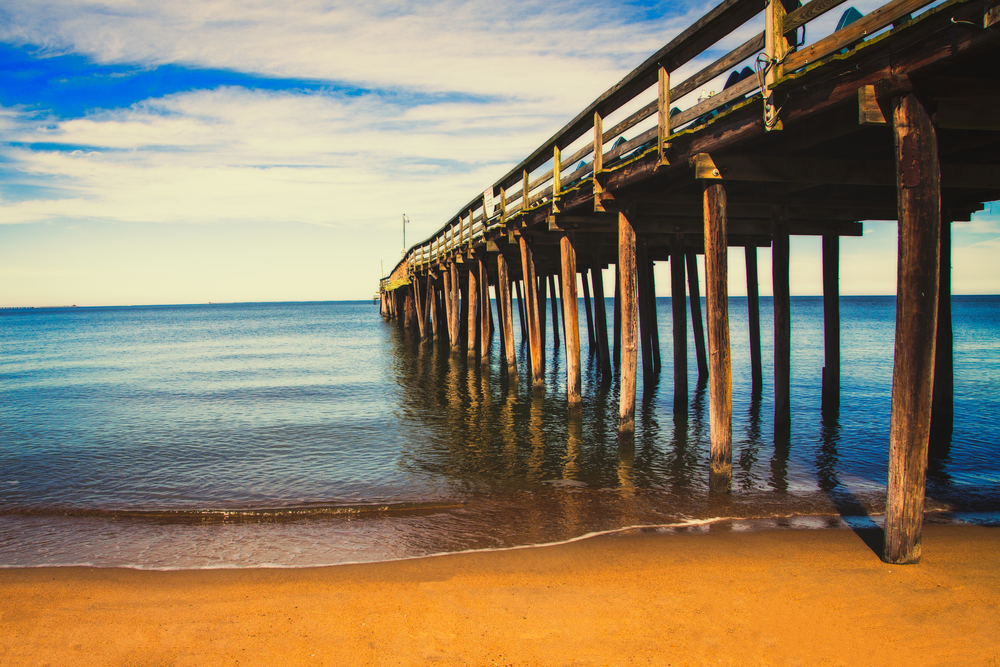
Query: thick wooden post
{"type": "Point", "coordinates": [645, 338]}
{"type": "Point", "coordinates": [654, 325]}
{"type": "Point", "coordinates": [571, 316]}
{"type": "Point", "coordinates": [506, 315]}
{"type": "Point", "coordinates": [484, 309]}
{"type": "Point", "coordinates": [753, 312]}
{"type": "Point", "coordinates": [448, 303]}
{"type": "Point", "coordinates": [627, 286]}
{"type": "Point", "coordinates": [782, 319]}
{"type": "Point", "coordinates": [555, 310]}
{"type": "Point", "coordinates": [472, 312]}
{"type": "Point", "coordinates": [530, 287]}
{"type": "Point", "coordinates": [696, 322]}
{"type": "Point", "coordinates": [943, 404]}
{"type": "Point", "coordinates": [601, 317]}
{"type": "Point", "coordinates": [418, 307]}
{"type": "Point", "coordinates": [520, 311]}
{"type": "Point", "coordinates": [831, 321]}
{"type": "Point", "coordinates": [431, 314]}
{"type": "Point", "coordinates": [590, 316]}
{"type": "Point", "coordinates": [918, 181]}
{"type": "Point", "coordinates": [679, 323]}
{"type": "Point", "coordinates": [456, 309]}
{"type": "Point", "coordinates": [542, 312]}
{"type": "Point", "coordinates": [409, 310]}
{"type": "Point", "coordinates": [720, 387]}
{"type": "Point", "coordinates": [618, 317]}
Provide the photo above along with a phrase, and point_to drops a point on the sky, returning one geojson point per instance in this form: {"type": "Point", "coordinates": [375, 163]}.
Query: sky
{"type": "Point", "coordinates": [193, 151]}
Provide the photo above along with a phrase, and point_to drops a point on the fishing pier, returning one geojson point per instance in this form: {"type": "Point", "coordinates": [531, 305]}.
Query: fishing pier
{"type": "Point", "coordinates": [893, 116]}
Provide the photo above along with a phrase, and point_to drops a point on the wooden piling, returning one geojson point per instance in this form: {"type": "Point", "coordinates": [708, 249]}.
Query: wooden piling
{"type": "Point", "coordinates": [418, 307]}
{"type": "Point", "coordinates": [571, 317]}
{"type": "Point", "coordinates": [484, 309]}
{"type": "Point", "coordinates": [473, 311]}
{"type": "Point", "coordinates": [601, 321]}
{"type": "Point", "coordinates": [448, 305]}
{"type": "Point", "coordinates": [540, 285]}
{"type": "Point", "coordinates": [627, 287]}
{"type": "Point", "coordinates": [530, 287]}
{"type": "Point", "coordinates": [719, 377]}
{"type": "Point", "coordinates": [943, 403]}
{"type": "Point", "coordinates": [645, 337]}
{"type": "Point", "coordinates": [753, 319]}
{"type": "Point", "coordinates": [520, 311]}
{"type": "Point", "coordinates": [679, 324]}
{"type": "Point", "coordinates": [431, 315]}
{"type": "Point", "coordinates": [918, 181]}
{"type": "Point", "coordinates": [654, 325]}
{"type": "Point", "coordinates": [456, 309]}
{"type": "Point", "coordinates": [782, 319]}
{"type": "Point", "coordinates": [831, 321]}
{"type": "Point", "coordinates": [618, 317]}
{"type": "Point", "coordinates": [590, 316]}
{"type": "Point", "coordinates": [555, 310]}
{"type": "Point", "coordinates": [506, 316]}
{"type": "Point", "coordinates": [696, 321]}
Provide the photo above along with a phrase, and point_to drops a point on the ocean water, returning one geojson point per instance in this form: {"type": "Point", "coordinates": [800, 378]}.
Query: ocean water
{"type": "Point", "coordinates": [296, 434]}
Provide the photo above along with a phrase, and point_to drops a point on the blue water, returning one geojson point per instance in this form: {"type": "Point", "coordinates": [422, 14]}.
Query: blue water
{"type": "Point", "coordinates": [315, 433]}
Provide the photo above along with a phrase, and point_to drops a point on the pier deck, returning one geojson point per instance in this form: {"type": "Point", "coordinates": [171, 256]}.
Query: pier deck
{"type": "Point", "coordinates": [894, 117]}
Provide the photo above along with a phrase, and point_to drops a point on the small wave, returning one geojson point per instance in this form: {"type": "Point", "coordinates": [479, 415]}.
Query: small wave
{"type": "Point", "coordinates": [237, 515]}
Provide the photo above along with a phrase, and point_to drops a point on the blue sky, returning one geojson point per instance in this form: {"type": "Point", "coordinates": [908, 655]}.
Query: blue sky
{"type": "Point", "coordinates": [188, 151]}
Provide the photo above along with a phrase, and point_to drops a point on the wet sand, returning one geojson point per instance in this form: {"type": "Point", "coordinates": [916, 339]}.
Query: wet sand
{"type": "Point", "coordinates": [775, 597]}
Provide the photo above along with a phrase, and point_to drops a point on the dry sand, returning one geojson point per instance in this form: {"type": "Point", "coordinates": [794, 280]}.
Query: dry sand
{"type": "Point", "coordinates": [778, 597]}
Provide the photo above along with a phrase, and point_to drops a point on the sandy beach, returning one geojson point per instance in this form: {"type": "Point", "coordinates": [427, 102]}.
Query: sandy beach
{"type": "Point", "coordinates": [722, 597]}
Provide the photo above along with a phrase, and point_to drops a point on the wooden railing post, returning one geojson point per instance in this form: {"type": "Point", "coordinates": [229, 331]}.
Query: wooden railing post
{"type": "Point", "coordinates": [598, 163]}
{"type": "Point", "coordinates": [556, 177]}
{"type": "Point", "coordinates": [776, 47]}
{"type": "Point", "coordinates": [663, 113]}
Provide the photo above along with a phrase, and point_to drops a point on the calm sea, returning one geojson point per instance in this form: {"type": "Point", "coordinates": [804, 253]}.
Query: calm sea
{"type": "Point", "coordinates": [293, 434]}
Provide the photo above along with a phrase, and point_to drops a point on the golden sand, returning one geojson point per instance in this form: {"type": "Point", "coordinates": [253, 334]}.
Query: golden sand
{"type": "Point", "coordinates": [777, 597]}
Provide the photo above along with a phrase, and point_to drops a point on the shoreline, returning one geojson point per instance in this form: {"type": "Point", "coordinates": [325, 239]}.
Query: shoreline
{"type": "Point", "coordinates": [773, 596]}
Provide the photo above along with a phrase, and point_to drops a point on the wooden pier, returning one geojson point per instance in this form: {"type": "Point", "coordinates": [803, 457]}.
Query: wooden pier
{"type": "Point", "coordinates": [895, 116]}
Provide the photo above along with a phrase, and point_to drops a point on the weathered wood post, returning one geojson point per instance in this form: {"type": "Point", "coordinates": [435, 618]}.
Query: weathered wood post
{"type": "Point", "coordinates": [473, 311]}
{"type": "Point", "coordinates": [618, 317]}
{"type": "Point", "coordinates": [679, 323]}
{"type": "Point", "coordinates": [645, 338]}
{"type": "Point", "coordinates": [506, 317]}
{"type": "Point", "coordinates": [456, 309]}
{"type": "Point", "coordinates": [542, 312]}
{"type": "Point", "coordinates": [530, 289]}
{"type": "Point", "coordinates": [484, 309]}
{"type": "Point", "coordinates": [918, 183]}
{"type": "Point", "coordinates": [627, 287]}
{"type": "Point", "coordinates": [654, 326]}
{"type": "Point", "coordinates": [555, 310]}
{"type": "Point", "coordinates": [720, 385]}
{"type": "Point", "coordinates": [520, 311]}
{"type": "Point", "coordinates": [601, 318]}
{"type": "Point", "coordinates": [696, 321]}
{"type": "Point", "coordinates": [590, 316]}
{"type": "Point", "coordinates": [943, 403]}
{"type": "Point", "coordinates": [572, 318]}
{"type": "Point", "coordinates": [782, 320]}
{"type": "Point", "coordinates": [431, 314]}
{"type": "Point", "coordinates": [448, 305]}
{"type": "Point", "coordinates": [831, 321]}
{"type": "Point", "coordinates": [418, 306]}
{"type": "Point", "coordinates": [753, 312]}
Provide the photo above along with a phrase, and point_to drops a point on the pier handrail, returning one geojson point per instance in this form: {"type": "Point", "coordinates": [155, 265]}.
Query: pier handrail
{"type": "Point", "coordinates": [520, 190]}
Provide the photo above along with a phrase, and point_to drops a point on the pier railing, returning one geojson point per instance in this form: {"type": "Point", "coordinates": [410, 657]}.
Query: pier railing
{"type": "Point", "coordinates": [576, 156]}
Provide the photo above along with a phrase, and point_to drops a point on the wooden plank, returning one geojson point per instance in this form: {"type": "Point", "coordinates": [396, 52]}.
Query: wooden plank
{"type": "Point", "coordinates": [719, 377]}
{"type": "Point", "coordinates": [571, 317]}
{"type": "Point", "coordinates": [679, 324]}
{"type": "Point", "coordinates": [831, 322]}
{"type": "Point", "coordinates": [807, 12]}
{"type": "Point", "coordinates": [696, 321]}
{"type": "Point", "coordinates": [919, 188]}
{"type": "Point", "coordinates": [753, 319]}
{"type": "Point", "coordinates": [844, 37]}
{"type": "Point", "coordinates": [506, 318]}
{"type": "Point", "coordinates": [731, 59]}
{"type": "Point", "coordinates": [869, 112]}
{"type": "Point", "coordinates": [782, 320]}
{"type": "Point", "coordinates": [627, 286]}
{"type": "Point", "coordinates": [726, 96]}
